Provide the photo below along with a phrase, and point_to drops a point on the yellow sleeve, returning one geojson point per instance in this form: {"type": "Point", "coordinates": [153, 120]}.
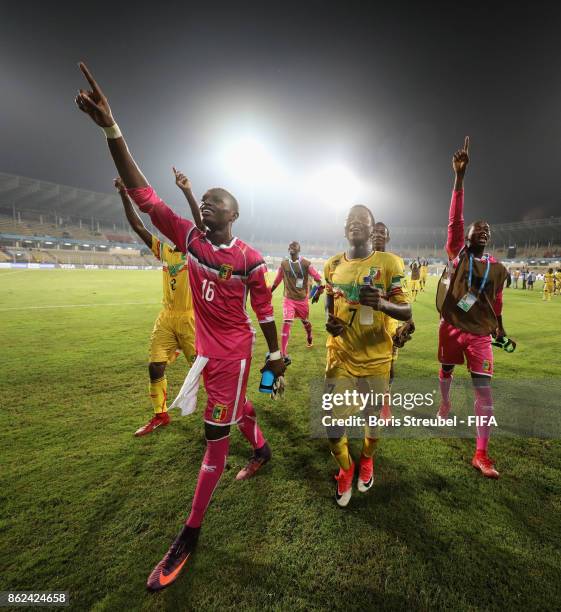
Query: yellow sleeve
{"type": "Point", "coordinates": [394, 281]}
{"type": "Point", "coordinates": [327, 276]}
{"type": "Point", "coordinates": [156, 247]}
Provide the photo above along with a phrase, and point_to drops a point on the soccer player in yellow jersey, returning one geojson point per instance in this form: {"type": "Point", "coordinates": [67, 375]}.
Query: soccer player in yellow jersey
{"type": "Point", "coordinates": [362, 286]}
{"type": "Point", "coordinates": [548, 284]}
{"type": "Point", "coordinates": [415, 279]}
{"type": "Point", "coordinates": [174, 328]}
{"type": "Point", "coordinates": [558, 282]}
{"type": "Point", "coordinates": [424, 273]}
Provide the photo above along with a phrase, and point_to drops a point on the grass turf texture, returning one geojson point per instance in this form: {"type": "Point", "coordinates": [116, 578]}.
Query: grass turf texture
{"type": "Point", "coordinates": [88, 508]}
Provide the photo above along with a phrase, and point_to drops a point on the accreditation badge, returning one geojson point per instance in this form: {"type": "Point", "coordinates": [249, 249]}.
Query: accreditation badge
{"type": "Point", "coordinates": [467, 301]}
{"type": "Point", "coordinates": [299, 283]}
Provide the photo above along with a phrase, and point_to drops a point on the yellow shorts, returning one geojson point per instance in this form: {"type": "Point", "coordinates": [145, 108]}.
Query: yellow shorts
{"type": "Point", "coordinates": [414, 285]}
{"type": "Point", "coordinates": [172, 331]}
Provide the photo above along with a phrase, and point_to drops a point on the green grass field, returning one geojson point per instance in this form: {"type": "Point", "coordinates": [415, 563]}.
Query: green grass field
{"type": "Point", "coordinates": [88, 508]}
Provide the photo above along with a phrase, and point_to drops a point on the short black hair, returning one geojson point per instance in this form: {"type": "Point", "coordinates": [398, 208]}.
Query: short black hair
{"type": "Point", "coordinates": [226, 196]}
{"type": "Point", "coordinates": [367, 209]}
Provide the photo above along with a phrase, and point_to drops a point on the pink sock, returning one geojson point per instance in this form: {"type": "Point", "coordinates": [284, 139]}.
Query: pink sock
{"type": "Point", "coordinates": [483, 407]}
{"type": "Point", "coordinates": [445, 381]}
{"type": "Point", "coordinates": [249, 428]}
{"type": "Point", "coordinates": [308, 327]}
{"type": "Point", "coordinates": [212, 467]}
{"type": "Point", "coordinates": [285, 336]}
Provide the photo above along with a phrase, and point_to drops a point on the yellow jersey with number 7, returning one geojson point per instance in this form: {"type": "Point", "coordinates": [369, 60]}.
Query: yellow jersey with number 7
{"type": "Point", "coordinates": [362, 349]}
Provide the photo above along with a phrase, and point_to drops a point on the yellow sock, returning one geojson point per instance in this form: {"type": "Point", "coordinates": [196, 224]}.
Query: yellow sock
{"type": "Point", "coordinates": [340, 451]}
{"type": "Point", "coordinates": [369, 447]}
{"type": "Point", "coordinates": [158, 394]}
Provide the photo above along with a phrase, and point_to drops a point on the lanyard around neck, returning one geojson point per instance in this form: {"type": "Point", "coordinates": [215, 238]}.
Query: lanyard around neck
{"type": "Point", "coordinates": [485, 276]}
{"type": "Point", "coordinates": [292, 269]}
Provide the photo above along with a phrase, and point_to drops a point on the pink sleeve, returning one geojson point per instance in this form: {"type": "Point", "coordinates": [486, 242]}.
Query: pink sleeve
{"type": "Point", "coordinates": [278, 277]}
{"type": "Point", "coordinates": [173, 226]}
{"type": "Point", "coordinates": [455, 240]}
{"type": "Point", "coordinates": [259, 293]}
{"type": "Point", "coordinates": [314, 273]}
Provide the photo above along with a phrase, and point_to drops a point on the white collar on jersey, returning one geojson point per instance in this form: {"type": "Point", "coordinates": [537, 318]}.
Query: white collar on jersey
{"type": "Point", "coordinates": [223, 246]}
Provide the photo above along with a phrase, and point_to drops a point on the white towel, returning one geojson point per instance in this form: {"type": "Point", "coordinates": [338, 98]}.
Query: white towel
{"type": "Point", "coordinates": [187, 397]}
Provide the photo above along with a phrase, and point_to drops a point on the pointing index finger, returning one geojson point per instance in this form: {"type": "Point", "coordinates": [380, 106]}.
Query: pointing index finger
{"type": "Point", "coordinates": [466, 144]}
{"type": "Point", "coordinates": [90, 78]}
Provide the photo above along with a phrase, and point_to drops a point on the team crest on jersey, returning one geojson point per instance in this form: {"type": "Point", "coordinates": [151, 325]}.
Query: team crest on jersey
{"type": "Point", "coordinates": [225, 272]}
{"type": "Point", "coordinates": [219, 412]}
{"type": "Point", "coordinates": [375, 274]}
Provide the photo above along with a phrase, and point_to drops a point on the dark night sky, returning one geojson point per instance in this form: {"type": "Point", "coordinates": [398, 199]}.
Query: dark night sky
{"type": "Point", "coordinates": [388, 92]}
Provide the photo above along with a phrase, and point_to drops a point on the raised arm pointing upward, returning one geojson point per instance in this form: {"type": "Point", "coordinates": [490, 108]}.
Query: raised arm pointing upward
{"type": "Point", "coordinates": [223, 270]}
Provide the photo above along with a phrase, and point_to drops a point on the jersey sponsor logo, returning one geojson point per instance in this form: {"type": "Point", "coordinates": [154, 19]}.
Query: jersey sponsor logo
{"type": "Point", "coordinates": [225, 272]}
{"type": "Point", "coordinates": [219, 412]}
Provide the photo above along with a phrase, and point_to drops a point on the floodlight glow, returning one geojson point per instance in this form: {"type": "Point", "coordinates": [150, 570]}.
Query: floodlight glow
{"type": "Point", "coordinates": [249, 160]}
{"type": "Point", "coordinates": [336, 185]}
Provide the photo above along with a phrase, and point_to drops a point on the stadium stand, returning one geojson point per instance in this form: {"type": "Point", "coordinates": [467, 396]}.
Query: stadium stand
{"type": "Point", "coordinates": [43, 222]}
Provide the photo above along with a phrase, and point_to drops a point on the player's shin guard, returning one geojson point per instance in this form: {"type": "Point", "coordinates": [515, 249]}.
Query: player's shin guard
{"type": "Point", "coordinates": [212, 467]}
{"type": "Point", "coordinates": [340, 451]}
{"type": "Point", "coordinates": [158, 394]}
{"type": "Point", "coordinates": [249, 427]}
{"type": "Point", "coordinates": [484, 410]}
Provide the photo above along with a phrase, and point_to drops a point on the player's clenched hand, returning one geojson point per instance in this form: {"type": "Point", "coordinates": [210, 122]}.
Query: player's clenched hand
{"type": "Point", "coordinates": [277, 366]}
{"type": "Point", "coordinates": [181, 180]}
{"type": "Point", "coordinates": [460, 159]}
{"type": "Point", "coordinates": [320, 289]}
{"type": "Point", "coordinates": [403, 334]}
{"type": "Point", "coordinates": [335, 326]}
{"type": "Point", "coordinates": [119, 185]}
{"type": "Point", "coordinates": [371, 296]}
{"type": "Point", "coordinates": [93, 102]}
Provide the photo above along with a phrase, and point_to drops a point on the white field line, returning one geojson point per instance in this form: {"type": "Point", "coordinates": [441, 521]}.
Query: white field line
{"type": "Point", "coordinates": [80, 306]}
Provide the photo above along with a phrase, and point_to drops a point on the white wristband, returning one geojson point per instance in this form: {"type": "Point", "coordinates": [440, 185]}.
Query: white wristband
{"type": "Point", "coordinates": [112, 132]}
{"type": "Point", "coordinates": [274, 356]}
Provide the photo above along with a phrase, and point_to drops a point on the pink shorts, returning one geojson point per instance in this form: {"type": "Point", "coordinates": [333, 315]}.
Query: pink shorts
{"type": "Point", "coordinates": [295, 309]}
{"type": "Point", "coordinates": [225, 383]}
{"type": "Point", "coordinates": [454, 343]}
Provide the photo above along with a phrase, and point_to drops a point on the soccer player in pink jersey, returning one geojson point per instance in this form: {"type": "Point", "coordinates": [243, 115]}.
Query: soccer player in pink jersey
{"type": "Point", "coordinates": [222, 271]}
{"type": "Point", "coordinates": [295, 272]}
{"type": "Point", "coordinates": [469, 299]}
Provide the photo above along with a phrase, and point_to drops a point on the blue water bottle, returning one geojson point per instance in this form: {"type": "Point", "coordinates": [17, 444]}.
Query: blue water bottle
{"type": "Point", "coordinates": [267, 379]}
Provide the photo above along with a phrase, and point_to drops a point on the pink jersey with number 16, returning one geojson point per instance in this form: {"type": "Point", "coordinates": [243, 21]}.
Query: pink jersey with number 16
{"type": "Point", "coordinates": [220, 278]}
